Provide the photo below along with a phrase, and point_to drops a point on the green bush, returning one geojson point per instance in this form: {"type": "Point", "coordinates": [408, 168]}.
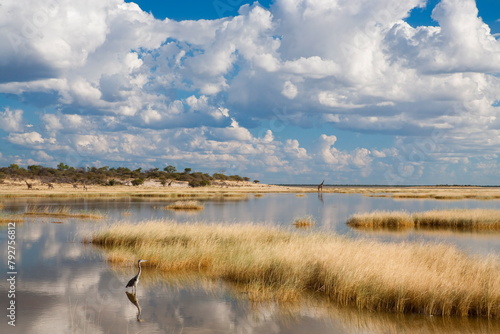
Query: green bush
{"type": "Point", "coordinates": [137, 182]}
{"type": "Point", "coordinates": [199, 183]}
{"type": "Point", "coordinates": [111, 176]}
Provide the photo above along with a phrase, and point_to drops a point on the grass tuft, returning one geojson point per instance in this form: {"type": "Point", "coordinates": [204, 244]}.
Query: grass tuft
{"type": "Point", "coordinates": [392, 220]}
{"type": "Point", "coordinates": [273, 263]}
{"type": "Point", "coordinates": [304, 222]}
{"type": "Point", "coordinates": [458, 219]}
{"type": "Point", "coordinates": [60, 212]}
{"type": "Point", "coordinates": [11, 219]}
{"type": "Point", "coordinates": [185, 205]}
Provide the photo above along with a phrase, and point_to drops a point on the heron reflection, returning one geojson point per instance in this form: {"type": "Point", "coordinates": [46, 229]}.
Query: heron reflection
{"type": "Point", "coordinates": [132, 296]}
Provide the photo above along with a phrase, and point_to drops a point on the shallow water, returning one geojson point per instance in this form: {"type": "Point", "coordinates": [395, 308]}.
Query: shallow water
{"type": "Point", "coordinates": [64, 286]}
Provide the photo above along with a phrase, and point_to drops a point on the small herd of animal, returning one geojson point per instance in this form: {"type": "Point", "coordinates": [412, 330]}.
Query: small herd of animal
{"type": "Point", "coordinates": [51, 186]}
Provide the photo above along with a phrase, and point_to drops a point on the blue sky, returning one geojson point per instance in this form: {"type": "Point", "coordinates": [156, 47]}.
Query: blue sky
{"type": "Point", "coordinates": [195, 9]}
{"type": "Point", "coordinates": [385, 92]}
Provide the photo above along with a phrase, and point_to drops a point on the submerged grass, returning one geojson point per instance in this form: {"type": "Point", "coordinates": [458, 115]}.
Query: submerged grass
{"type": "Point", "coordinates": [457, 219]}
{"type": "Point", "coordinates": [185, 205]}
{"type": "Point", "coordinates": [402, 278]}
{"type": "Point", "coordinates": [304, 222]}
{"type": "Point", "coordinates": [60, 212]}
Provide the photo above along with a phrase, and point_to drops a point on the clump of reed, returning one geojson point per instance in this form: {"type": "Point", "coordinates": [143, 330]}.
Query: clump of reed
{"type": "Point", "coordinates": [460, 219]}
{"type": "Point", "coordinates": [446, 196]}
{"type": "Point", "coordinates": [457, 219]}
{"type": "Point", "coordinates": [304, 222]}
{"type": "Point", "coordinates": [61, 212]}
{"type": "Point", "coordinates": [413, 195]}
{"type": "Point", "coordinates": [397, 277]}
{"type": "Point", "coordinates": [393, 220]}
{"type": "Point", "coordinates": [11, 219]}
{"type": "Point", "coordinates": [230, 197]}
{"type": "Point", "coordinates": [185, 205]}
{"type": "Point", "coordinates": [235, 196]}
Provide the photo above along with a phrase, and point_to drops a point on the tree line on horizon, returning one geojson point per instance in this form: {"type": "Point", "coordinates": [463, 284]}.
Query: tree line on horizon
{"type": "Point", "coordinates": [110, 176]}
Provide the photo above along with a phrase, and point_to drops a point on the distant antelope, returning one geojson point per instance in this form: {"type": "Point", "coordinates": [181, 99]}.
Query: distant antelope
{"type": "Point", "coordinates": [75, 186]}
{"type": "Point", "coordinates": [85, 187]}
{"type": "Point", "coordinates": [50, 185]}
{"type": "Point", "coordinates": [30, 185]}
{"type": "Point", "coordinates": [320, 187]}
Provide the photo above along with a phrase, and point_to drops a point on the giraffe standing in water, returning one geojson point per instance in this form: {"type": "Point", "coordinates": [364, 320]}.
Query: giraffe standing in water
{"type": "Point", "coordinates": [320, 187]}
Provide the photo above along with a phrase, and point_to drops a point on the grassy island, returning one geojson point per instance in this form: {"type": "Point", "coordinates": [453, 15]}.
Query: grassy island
{"type": "Point", "coordinates": [185, 205]}
{"type": "Point", "coordinates": [61, 212]}
{"type": "Point", "coordinates": [272, 263]}
{"type": "Point", "coordinates": [458, 219]}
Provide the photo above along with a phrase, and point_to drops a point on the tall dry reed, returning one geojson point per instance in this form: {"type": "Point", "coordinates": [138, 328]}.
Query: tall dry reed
{"type": "Point", "coordinates": [458, 219]}
{"type": "Point", "coordinates": [10, 219]}
{"type": "Point", "coordinates": [382, 219]}
{"type": "Point", "coordinates": [185, 205]}
{"type": "Point", "coordinates": [402, 278]}
{"type": "Point", "coordinates": [60, 212]}
{"type": "Point", "coordinates": [476, 219]}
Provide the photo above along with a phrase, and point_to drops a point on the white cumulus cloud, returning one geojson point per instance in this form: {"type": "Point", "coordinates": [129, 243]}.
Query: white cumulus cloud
{"type": "Point", "coordinates": [115, 83]}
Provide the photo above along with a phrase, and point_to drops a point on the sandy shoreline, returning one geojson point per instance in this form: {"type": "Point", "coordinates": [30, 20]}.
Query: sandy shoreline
{"type": "Point", "coordinates": [152, 189]}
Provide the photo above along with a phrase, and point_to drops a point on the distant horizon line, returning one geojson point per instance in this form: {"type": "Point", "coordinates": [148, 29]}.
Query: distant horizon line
{"type": "Point", "coordinates": [381, 185]}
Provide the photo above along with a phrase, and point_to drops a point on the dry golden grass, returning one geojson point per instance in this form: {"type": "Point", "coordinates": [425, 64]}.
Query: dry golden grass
{"type": "Point", "coordinates": [382, 219]}
{"type": "Point", "coordinates": [458, 219]}
{"type": "Point", "coordinates": [347, 319]}
{"type": "Point", "coordinates": [414, 196]}
{"type": "Point", "coordinates": [185, 205]}
{"type": "Point", "coordinates": [61, 212]}
{"type": "Point", "coordinates": [459, 193]}
{"type": "Point", "coordinates": [402, 278]}
{"type": "Point", "coordinates": [11, 219]}
{"type": "Point", "coordinates": [304, 222]}
{"type": "Point", "coordinates": [14, 189]}
{"type": "Point", "coordinates": [19, 189]}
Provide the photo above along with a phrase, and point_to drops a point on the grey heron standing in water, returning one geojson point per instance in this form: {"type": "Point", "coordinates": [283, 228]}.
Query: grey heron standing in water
{"type": "Point", "coordinates": [135, 280]}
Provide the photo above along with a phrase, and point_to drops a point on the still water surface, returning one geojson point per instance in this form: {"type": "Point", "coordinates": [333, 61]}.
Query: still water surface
{"type": "Point", "coordinates": [65, 286]}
